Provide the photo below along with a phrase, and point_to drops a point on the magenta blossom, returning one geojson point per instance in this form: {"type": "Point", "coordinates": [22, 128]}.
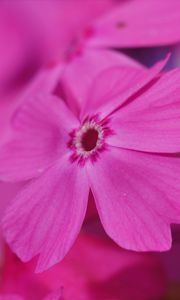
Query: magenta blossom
{"type": "Point", "coordinates": [122, 146]}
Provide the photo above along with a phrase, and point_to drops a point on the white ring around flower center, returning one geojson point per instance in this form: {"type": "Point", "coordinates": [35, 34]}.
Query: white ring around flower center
{"type": "Point", "coordinates": [82, 134]}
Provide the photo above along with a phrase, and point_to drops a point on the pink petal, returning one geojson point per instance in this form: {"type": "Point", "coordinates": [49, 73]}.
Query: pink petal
{"type": "Point", "coordinates": [53, 296]}
{"type": "Point", "coordinates": [44, 82]}
{"type": "Point", "coordinates": [18, 279]}
{"type": "Point", "coordinates": [14, 45]}
{"type": "Point", "coordinates": [87, 65]}
{"type": "Point", "coordinates": [114, 85]}
{"type": "Point", "coordinates": [7, 192]}
{"type": "Point", "coordinates": [139, 23]}
{"type": "Point", "coordinates": [40, 137]}
{"type": "Point", "coordinates": [46, 79]}
{"type": "Point", "coordinates": [137, 197]}
{"type": "Point", "coordinates": [10, 297]}
{"type": "Point", "coordinates": [45, 218]}
{"type": "Point", "coordinates": [59, 23]}
{"type": "Point", "coordinates": [56, 295]}
{"type": "Point", "coordinates": [152, 121]}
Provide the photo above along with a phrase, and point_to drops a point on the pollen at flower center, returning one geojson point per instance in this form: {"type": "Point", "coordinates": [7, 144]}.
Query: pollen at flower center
{"type": "Point", "coordinates": [88, 138]}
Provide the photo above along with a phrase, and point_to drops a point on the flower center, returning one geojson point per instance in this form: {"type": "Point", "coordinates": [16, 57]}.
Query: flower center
{"type": "Point", "coordinates": [88, 138]}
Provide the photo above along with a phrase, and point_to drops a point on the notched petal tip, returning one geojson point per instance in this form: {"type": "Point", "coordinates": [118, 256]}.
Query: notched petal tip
{"type": "Point", "coordinates": [46, 216]}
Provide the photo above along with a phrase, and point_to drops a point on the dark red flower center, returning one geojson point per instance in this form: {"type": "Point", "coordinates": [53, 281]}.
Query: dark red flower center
{"type": "Point", "coordinates": [89, 139]}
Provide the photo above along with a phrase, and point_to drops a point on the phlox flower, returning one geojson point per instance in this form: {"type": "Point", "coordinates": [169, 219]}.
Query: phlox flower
{"type": "Point", "coordinates": [121, 146]}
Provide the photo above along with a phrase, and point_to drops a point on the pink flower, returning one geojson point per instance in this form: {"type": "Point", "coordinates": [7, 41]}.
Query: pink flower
{"type": "Point", "coordinates": [122, 146]}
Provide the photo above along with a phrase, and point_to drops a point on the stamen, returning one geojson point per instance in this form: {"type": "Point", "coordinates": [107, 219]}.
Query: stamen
{"type": "Point", "coordinates": [89, 140]}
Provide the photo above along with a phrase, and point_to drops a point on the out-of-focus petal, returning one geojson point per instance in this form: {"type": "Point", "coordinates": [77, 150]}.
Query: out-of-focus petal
{"type": "Point", "coordinates": [55, 295]}
{"type": "Point", "coordinates": [10, 297]}
{"type": "Point", "coordinates": [59, 23]}
{"type": "Point", "coordinates": [139, 23]}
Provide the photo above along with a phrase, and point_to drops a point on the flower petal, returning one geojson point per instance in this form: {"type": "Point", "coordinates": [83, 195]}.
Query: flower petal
{"type": "Point", "coordinates": [43, 82]}
{"type": "Point", "coordinates": [46, 217]}
{"type": "Point", "coordinates": [40, 136]}
{"type": "Point", "coordinates": [152, 121]}
{"type": "Point", "coordinates": [46, 80]}
{"type": "Point", "coordinates": [87, 65]}
{"type": "Point", "coordinates": [139, 23]}
{"type": "Point", "coordinates": [55, 295]}
{"type": "Point", "coordinates": [10, 297]}
{"type": "Point", "coordinates": [137, 196]}
{"type": "Point", "coordinates": [113, 86]}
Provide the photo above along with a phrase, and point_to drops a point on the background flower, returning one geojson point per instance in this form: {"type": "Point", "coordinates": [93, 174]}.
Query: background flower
{"type": "Point", "coordinates": [102, 271]}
